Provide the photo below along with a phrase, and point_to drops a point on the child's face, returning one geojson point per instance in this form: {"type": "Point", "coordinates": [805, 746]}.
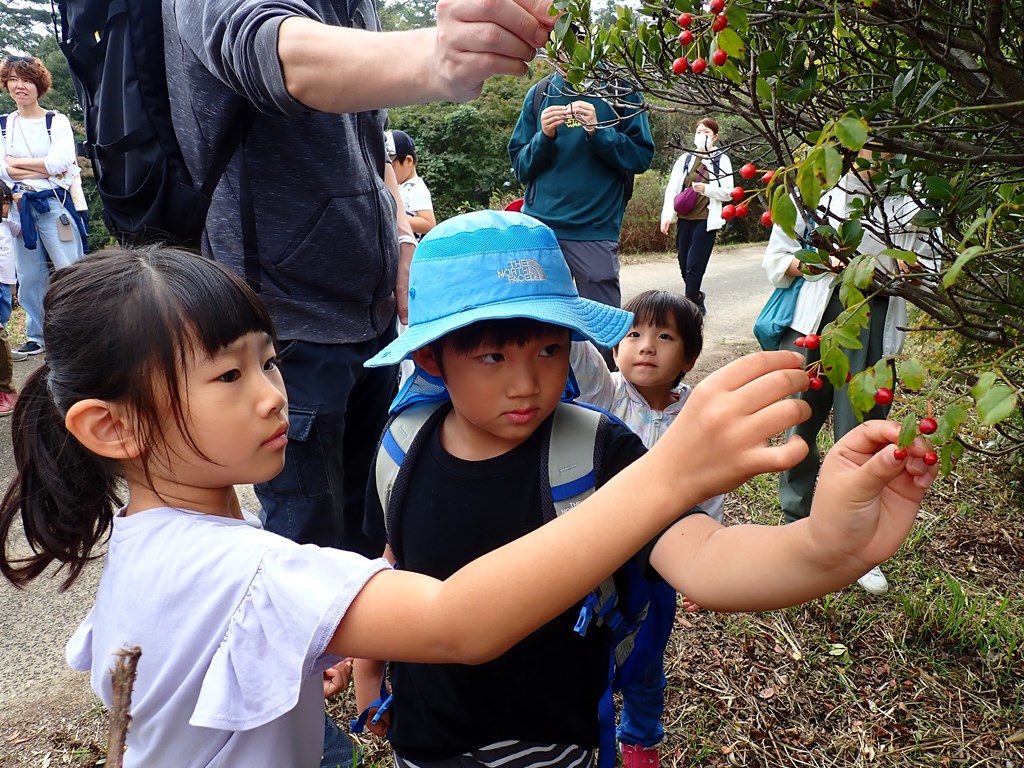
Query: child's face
{"type": "Point", "coordinates": [237, 415]}
{"type": "Point", "coordinates": [651, 357]}
{"type": "Point", "coordinates": [501, 394]}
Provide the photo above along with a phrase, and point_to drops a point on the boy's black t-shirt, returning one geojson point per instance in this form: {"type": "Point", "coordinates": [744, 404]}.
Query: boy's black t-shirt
{"type": "Point", "coordinates": [546, 688]}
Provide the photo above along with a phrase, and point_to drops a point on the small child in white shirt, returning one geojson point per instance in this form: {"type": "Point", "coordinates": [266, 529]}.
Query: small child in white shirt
{"type": "Point", "coordinates": [647, 394]}
{"type": "Point", "coordinates": [9, 229]}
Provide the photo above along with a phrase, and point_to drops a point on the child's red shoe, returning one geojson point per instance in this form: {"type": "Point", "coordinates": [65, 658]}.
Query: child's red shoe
{"type": "Point", "coordinates": [635, 756]}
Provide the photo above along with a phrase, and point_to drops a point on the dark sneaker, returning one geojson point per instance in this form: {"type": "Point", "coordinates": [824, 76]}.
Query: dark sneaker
{"type": "Point", "coordinates": [30, 348]}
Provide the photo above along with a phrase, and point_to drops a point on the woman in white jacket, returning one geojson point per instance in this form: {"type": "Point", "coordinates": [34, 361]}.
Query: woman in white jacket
{"type": "Point", "coordinates": [817, 305]}
{"type": "Point", "coordinates": [709, 172]}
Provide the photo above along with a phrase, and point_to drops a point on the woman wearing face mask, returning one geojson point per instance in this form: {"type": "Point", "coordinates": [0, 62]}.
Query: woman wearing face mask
{"type": "Point", "coordinates": [700, 183]}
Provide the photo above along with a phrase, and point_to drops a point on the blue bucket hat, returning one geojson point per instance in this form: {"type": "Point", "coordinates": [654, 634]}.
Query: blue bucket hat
{"type": "Point", "coordinates": [492, 265]}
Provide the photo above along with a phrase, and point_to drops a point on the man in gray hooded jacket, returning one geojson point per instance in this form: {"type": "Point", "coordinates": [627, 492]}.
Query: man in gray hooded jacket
{"type": "Point", "coordinates": [319, 74]}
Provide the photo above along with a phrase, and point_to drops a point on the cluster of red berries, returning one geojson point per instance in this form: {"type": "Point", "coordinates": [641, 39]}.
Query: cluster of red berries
{"type": "Point", "coordinates": [926, 426]}
{"type": "Point", "coordinates": [748, 172]}
{"type": "Point", "coordinates": [686, 38]}
{"type": "Point", "coordinates": [883, 396]}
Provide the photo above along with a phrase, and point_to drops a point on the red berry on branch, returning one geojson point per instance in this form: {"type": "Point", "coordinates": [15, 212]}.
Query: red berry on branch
{"type": "Point", "coordinates": [716, 6]}
{"type": "Point", "coordinates": [742, 210]}
{"type": "Point", "coordinates": [928, 425]}
{"type": "Point", "coordinates": [719, 57]}
{"type": "Point", "coordinates": [812, 341]}
{"type": "Point", "coordinates": [719, 23]}
{"type": "Point", "coordinates": [799, 342]}
{"type": "Point", "coordinates": [748, 171]}
{"type": "Point", "coordinates": [767, 178]}
{"type": "Point", "coordinates": [728, 211]}
{"type": "Point", "coordinates": [680, 65]}
{"type": "Point", "coordinates": [883, 396]}
{"type": "Point", "coordinates": [815, 383]}
{"type": "Point", "coordinates": [698, 66]}
{"type": "Point", "coordinates": [685, 20]}
{"type": "Point", "coordinates": [766, 218]}
{"type": "Point", "coordinates": [931, 458]}
{"type": "Point", "coordinates": [685, 37]}
{"type": "Point", "coordinates": [900, 454]}
{"type": "Point", "coordinates": [737, 194]}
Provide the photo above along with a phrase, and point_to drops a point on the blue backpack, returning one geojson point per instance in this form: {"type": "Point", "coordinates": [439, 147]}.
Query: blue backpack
{"type": "Point", "coordinates": [569, 469]}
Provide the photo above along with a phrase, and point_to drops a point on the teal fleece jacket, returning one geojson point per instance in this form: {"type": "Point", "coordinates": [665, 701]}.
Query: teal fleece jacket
{"type": "Point", "coordinates": [575, 182]}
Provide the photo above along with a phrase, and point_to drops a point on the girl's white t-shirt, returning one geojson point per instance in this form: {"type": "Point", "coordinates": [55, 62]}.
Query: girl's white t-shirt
{"type": "Point", "coordinates": [233, 623]}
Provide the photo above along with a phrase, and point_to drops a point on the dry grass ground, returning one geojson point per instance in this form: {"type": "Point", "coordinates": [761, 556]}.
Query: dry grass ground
{"type": "Point", "coordinates": [931, 674]}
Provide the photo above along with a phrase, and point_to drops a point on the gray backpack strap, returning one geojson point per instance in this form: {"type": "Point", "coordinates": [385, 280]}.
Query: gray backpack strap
{"type": "Point", "coordinates": [571, 471]}
{"type": "Point", "coordinates": [572, 475]}
{"type": "Point", "coordinates": [395, 443]}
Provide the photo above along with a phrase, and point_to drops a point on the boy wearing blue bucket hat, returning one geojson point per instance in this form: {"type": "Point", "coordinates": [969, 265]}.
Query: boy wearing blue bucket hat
{"type": "Point", "coordinates": [492, 313]}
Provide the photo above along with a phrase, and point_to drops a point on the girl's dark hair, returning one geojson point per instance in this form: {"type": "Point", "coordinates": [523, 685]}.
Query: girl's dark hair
{"type": "Point", "coordinates": [671, 309]}
{"type": "Point", "coordinates": [6, 196]}
{"type": "Point", "coordinates": [119, 326]}
{"type": "Point", "coordinates": [518, 331]}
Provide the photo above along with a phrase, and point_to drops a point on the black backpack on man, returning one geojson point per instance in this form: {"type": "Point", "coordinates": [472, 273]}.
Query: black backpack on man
{"type": "Point", "coordinates": [115, 53]}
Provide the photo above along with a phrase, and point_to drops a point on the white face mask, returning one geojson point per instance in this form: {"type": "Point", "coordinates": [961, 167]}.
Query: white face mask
{"type": "Point", "coordinates": [702, 142]}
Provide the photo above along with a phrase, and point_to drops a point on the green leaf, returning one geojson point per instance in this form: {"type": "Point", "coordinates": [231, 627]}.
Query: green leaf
{"type": "Point", "coordinates": [784, 212]}
{"type": "Point", "coordinates": [862, 393]}
{"type": "Point", "coordinates": [962, 261]}
{"type": "Point", "coordinates": [852, 132]}
{"type": "Point", "coordinates": [807, 180]}
{"type": "Point", "coordinates": [847, 336]}
{"type": "Point", "coordinates": [900, 255]}
{"type": "Point", "coordinates": [938, 188]}
{"type": "Point", "coordinates": [730, 71]}
{"type": "Point", "coordinates": [731, 43]}
{"type": "Point", "coordinates": [926, 217]}
{"type": "Point", "coordinates": [949, 423]}
{"type": "Point", "coordinates": [997, 404]}
{"type": "Point", "coordinates": [881, 373]}
{"type": "Point", "coordinates": [575, 75]}
{"type": "Point", "coordinates": [983, 385]}
{"type": "Point", "coordinates": [975, 225]}
{"type": "Point", "coordinates": [912, 374]}
{"type": "Point", "coordinates": [950, 454]}
{"type": "Point", "coordinates": [810, 256]}
{"type": "Point", "coordinates": [860, 271]}
{"type": "Point", "coordinates": [835, 363]}
{"type": "Point", "coordinates": [849, 294]}
{"type": "Point", "coordinates": [767, 61]}
{"type": "Point", "coordinates": [908, 430]}
{"type": "Point", "coordinates": [737, 17]}
{"type": "Point", "coordinates": [764, 91]}
{"type": "Point", "coordinates": [906, 84]}
{"type": "Point", "coordinates": [929, 94]}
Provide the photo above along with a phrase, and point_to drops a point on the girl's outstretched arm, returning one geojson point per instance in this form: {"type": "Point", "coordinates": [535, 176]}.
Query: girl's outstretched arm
{"type": "Point", "coordinates": [864, 505]}
{"type": "Point", "coordinates": [719, 441]}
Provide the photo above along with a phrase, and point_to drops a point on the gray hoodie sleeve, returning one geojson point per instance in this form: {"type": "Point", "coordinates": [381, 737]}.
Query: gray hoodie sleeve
{"type": "Point", "coordinates": [237, 43]}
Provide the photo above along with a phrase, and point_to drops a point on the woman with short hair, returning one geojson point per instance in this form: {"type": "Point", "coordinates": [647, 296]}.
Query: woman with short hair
{"type": "Point", "coordinates": [37, 161]}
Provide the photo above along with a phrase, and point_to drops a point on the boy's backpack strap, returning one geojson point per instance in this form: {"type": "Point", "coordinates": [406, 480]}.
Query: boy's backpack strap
{"type": "Point", "coordinates": [572, 462]}
{"type": "Point", "coordinates": [402, 436]}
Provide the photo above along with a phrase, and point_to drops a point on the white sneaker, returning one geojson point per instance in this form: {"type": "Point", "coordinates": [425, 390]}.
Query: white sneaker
{"type": "Point", "coordinates": [874, 582]}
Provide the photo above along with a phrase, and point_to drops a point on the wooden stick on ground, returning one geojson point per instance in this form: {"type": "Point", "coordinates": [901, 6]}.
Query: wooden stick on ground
{"type": "Point", "coordinates": [123, 680]}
